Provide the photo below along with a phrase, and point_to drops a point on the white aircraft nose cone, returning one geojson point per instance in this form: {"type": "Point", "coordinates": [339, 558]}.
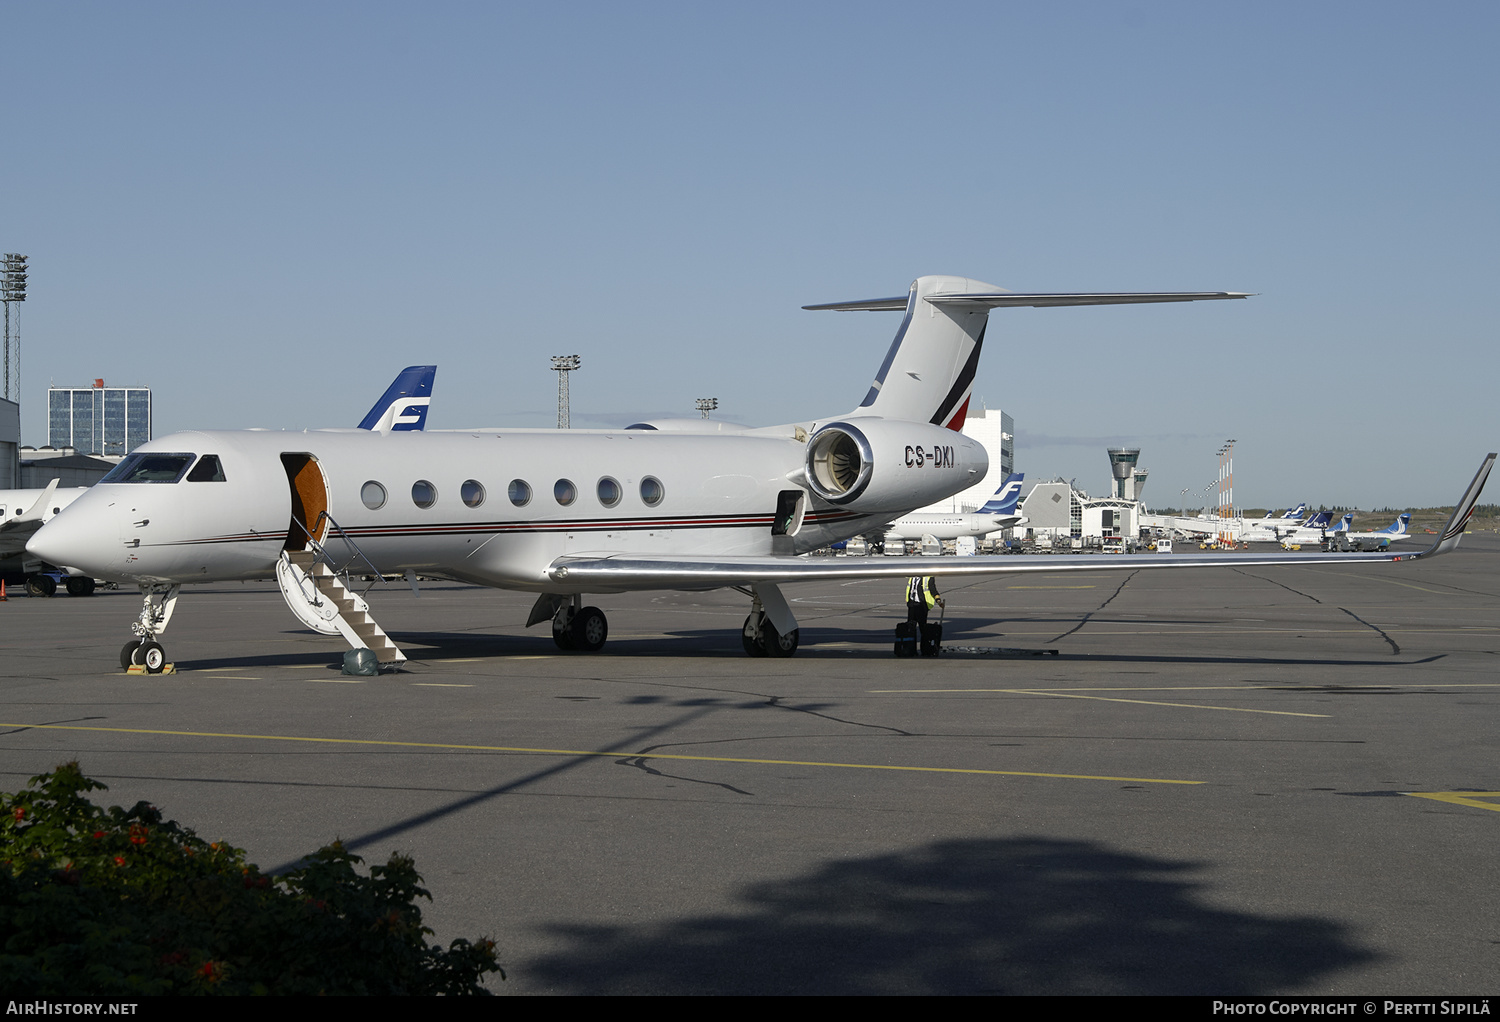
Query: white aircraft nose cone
{"type": "Point", "coordinates": [76, 541]}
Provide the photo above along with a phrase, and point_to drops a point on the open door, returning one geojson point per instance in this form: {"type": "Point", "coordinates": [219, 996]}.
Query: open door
{"type": "Point", "coordinates": [309, 500]}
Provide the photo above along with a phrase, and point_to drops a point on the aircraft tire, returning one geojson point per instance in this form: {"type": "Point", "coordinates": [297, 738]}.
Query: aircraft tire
{"type": "Point", "coordinates": [152, 656]}
{"type": "Point", "coordinates": [753, 647]}
{"type": "Point", "coordinates": [589, 630]}
{"type": "Point", "coordinates": [40, 585]}
{"type": "Point", "coordinates": [78, 585]}
{"type": "Point", "coordinates": [778, 645]}
{"type": "Point", "coordinates": [563, 637]}
{"type": "Point", "coordinates": [127, 654]}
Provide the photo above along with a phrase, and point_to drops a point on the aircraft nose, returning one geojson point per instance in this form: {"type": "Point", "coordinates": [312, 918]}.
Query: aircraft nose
{"type": "Point", "coordinates": [75, 538]}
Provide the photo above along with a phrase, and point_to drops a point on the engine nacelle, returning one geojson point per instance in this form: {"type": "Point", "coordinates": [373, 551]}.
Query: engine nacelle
{"type": "Point", "coordinates": [888, 465]}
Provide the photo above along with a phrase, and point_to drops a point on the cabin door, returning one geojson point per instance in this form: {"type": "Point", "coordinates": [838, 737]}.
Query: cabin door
{"type": "Point", "coordinates": [309, 500]}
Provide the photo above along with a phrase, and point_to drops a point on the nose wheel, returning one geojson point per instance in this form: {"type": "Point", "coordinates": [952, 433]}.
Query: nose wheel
{"type": "Point", "coordinates": [149, 655]}
{"type": "Point", "coordinates": [157, 603]}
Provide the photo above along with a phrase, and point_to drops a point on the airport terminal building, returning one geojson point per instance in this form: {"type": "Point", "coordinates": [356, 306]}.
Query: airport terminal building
{"type": "Point", "coordinates": [100, 420]}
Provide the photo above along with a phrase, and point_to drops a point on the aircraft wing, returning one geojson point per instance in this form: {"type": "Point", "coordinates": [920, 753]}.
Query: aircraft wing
{"type": "Point", "coordinates": [621, 573]}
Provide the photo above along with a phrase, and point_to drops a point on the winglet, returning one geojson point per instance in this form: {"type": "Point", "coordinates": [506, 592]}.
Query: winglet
{"type": "Point", "coordinates": [1459, 520]}
{"type": "Point", "coordinates": [38, 510]}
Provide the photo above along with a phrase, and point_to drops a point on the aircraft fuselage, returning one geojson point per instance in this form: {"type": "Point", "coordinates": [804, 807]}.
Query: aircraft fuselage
{"type": "Point", "coordinates": [491, 508]}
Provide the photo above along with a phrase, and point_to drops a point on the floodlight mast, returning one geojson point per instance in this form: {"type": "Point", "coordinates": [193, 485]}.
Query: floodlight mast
{"type": "Point", "coordinates": [12, 289]}
{"type": "Point", "coordinates": [706, 405]}
{"type": "Point", "coordinates": [564, 364]}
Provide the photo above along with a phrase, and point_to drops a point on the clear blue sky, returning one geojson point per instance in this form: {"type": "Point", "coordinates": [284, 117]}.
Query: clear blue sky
{"type": "Point", "coordinates": [263, 211]}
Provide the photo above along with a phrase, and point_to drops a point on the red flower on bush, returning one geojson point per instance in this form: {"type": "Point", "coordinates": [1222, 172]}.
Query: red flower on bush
{"type": "Point", "coordinates": [20, 813]}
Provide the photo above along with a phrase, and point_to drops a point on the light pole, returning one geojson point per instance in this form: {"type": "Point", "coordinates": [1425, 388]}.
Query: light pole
{"type": "Point", "coordinates": [12, 289]}
{"type": "Point", "coordinates": [564, 364]}
{"type": "Point", "coordinates": [1226, 488]}
{"type": "Point", "coordinates": [706, 405]}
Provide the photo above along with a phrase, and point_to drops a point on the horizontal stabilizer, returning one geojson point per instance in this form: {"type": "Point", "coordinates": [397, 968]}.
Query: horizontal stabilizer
{"type": "Point", "coordinates": [1013, 299]}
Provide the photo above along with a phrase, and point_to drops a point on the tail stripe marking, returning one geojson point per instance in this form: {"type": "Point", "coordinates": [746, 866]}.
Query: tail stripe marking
{"type": "Point", "coordinates": [960, 389]}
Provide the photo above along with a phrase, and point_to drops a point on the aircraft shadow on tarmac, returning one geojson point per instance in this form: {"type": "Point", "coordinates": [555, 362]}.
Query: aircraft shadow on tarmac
{"type": "Point", "coordinates": [818, 643]}
{"type": "Point", "coordinates": [1018, 916]}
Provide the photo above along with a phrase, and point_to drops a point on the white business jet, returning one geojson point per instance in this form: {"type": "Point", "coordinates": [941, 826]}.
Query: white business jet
{"type": "Point", "coordinates": [998, 513]}
{"type": "Point", "coordinates": [564, 513]}
{"type": "Point", "coordinates": [403, 406]}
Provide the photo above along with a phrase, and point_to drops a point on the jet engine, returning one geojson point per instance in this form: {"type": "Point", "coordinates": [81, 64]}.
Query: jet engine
{"type": "Point", "coordinates": [888, 465]}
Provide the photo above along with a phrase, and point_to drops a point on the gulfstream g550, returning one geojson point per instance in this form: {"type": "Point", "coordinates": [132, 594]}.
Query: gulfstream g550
{"type": "Point", "coordinates": [564, 513]}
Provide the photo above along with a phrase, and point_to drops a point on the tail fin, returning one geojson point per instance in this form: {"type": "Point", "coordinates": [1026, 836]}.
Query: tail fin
{"type": "Point", "coordinates": [928, 373]}
{"type": "Point", "coordinates": [1005, 499]}
{"type": "Point", "coordinates": [403, 406]}
{"type": "Point", "coordinates": [1344, 523]}
{"type": "Point", "coordinates": [1319, 520]}
{"type": "Point", "coordinates": [1398, 527]}
{"type": "Point", "coordinates": [1296, 512]}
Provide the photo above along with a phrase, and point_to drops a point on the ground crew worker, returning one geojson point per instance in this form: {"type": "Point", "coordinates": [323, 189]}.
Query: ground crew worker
{"type": "Point", "coordinates": [921, 596]}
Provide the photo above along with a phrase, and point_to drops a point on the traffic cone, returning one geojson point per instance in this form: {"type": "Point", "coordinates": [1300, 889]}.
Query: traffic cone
{"type": "Point", "coordinates": [3, 597]}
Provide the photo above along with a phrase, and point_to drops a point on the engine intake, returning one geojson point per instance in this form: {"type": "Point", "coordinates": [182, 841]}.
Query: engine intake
{"type": "Point", "coordinates": [882, 464]}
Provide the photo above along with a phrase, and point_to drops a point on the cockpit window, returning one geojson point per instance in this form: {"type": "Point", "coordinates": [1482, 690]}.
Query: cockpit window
{"type": "Point", "coordinates": [208, 470]}
{"type": "Point", "coordinates": [150, 468]}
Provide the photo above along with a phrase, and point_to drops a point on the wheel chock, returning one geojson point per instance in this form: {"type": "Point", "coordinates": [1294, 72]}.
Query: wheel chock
{"type": "Point", "coordinates": [141, 669]}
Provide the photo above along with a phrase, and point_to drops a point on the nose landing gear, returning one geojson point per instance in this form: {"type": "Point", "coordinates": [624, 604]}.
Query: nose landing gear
{"type": "Point", "coordinates": [158, 602]}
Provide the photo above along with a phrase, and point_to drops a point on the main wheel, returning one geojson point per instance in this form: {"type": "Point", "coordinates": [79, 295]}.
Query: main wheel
{"type": "Point", "coordinates": [153, 657]}
{"type": "Point", "coordinates": [753, 646]}
{"type": "Point", "coordinates": [779, 645]}
{"type": "Point", "coordinates": [79, 585]}
{"type": "Point", "coordinates": [127, 654]}
{"type": "Point", "coordinates": [40, 585]}
{"type": "Point", "coordinates": [589, 630]}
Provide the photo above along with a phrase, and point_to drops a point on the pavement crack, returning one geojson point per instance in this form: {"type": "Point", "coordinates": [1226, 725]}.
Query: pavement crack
{"type": "Point", "coordinates": [1118, 590]}
{"type": "Point", "coordinates": [1395, 649]}
{"type": "Point", "coordinates": [1283, 585]}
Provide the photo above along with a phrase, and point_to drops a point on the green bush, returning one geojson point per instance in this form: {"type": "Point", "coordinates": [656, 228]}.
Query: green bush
{"type": "Point", "coordinates": [124, 903]}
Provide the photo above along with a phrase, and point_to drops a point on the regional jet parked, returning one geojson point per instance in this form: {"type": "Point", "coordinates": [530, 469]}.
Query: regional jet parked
{"type": "Point", "coordinates": [1379, 539]}
{"type": "Point", "coordinates": [1271, 529]}
{"type": "Point", "coordinates": [998, 513]}
{"type": "Point", "coordinates": [564, 513]}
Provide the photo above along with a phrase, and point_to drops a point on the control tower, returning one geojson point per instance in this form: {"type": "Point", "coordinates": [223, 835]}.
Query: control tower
{"type": "Point", "coordinates": [1122, 466]}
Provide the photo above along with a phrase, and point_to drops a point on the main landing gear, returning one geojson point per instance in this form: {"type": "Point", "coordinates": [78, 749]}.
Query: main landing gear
{"type": "Point", "coordinates": [578, 628]}
{"type": "Point", "coordinates": [158, 602]}
{"type": "Point", "coordinates": [759, 635]}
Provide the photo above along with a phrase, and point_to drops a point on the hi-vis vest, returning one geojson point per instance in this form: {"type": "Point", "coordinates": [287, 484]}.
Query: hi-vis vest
{"type": "Point", "coordinates": [918, 591]}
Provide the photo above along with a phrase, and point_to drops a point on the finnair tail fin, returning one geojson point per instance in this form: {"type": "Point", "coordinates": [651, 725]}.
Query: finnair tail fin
{"type": "Point", "coordinates": [1345, 523]}
{"type": "Point", "coordinates": [404, 404]}
{"type": "Point", "coordinates": [928, 373]}
{"type": "Point", "coordinates": [1005, 499]}
{"type": "Point", "coordinates": [1296, 512]}
{"type": "Point", "coordinates": [1398, 527]}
